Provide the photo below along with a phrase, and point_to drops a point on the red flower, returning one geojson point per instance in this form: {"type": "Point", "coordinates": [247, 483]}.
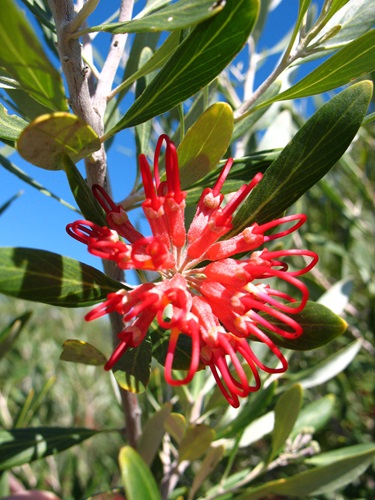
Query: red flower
{"type": "Point", "coordinates": [218, 301]}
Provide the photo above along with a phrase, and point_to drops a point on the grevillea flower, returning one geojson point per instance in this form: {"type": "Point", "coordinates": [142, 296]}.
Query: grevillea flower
{"type": "Point", "coordinates": [221, 303]}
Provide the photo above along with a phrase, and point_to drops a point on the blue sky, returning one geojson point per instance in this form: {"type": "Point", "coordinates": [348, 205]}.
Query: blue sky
{"type": "Point", "coordinates": [37, 221]}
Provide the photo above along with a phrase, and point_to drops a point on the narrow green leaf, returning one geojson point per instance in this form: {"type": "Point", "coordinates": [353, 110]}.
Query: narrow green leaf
{"type": "Point", "coordinates": [320, 326]}
{"type": "Point", "coordinates": [205, 143]}
{"type": "Point", "coordinates": [78, 351]}
{"type": "Point", "coordinates": [286, 412]}
{"type": "Point", "coordinates": [336, 298]}
{"type": "Point", "coordinates": [307, 158]}
{"type": "Point", "coordinates": [49, 138]}
{"type": "Point", "coordinates": [11, 332]}
{"type": "Point", "coordinates": [31, 182]}
{"type": "Point", "coordinates": [137, 479]}
{"type": "Point", "coordinates": [132, 371]}
{"type": "Point", "coordinates": [24, 59]}
{"type": "Point", "coordinates": [196, 441]}
{"type": "Point", "coordinates": [152, 434]}
{"type": "Point", "coordinates": [196, 62]}
{"type": "Point", "coordinates": [352, 61]}
{"type": "Point", "coordinates": [179, 15]}
{"type": "Point", "coordinates": [90, 208]}
{"type": "Point", "coordinates": [51, 278]}
{"type": "Point", "coordinates": [22, 446]}
{"type": "Point", "coordinates": [10, 125]}
{"type": "Point", "coordinates": [349, 451]}
{"type": "Point", "coordinates": [318, 481]}
{"type": "Point", "coordinates": [7, 204]}
{"type": "Point", "coordinates": [329, 368]}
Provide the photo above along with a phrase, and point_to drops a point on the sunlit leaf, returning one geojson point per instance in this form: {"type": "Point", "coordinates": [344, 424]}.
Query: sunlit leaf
{"type": "Point", "coordinates": [49, 138]}
{"type": "Point", "coordinates": [10, 125]}
{"type": "Point", "coordinates": [22, 446]}
{"type": "Point", "coordinates": [51, 278]}
{"type": "Point", "coordinates": [329, 368]}
{"type": "Point", "coordinates": [78, 351]}
{"type": "Point", "coordinates": [315, 415]}
{"type": "Point", "coordinates": [132, 371]}
{"type": "Point", "coordinates": [320, 326]}
{"type": "Point", "coordinates": [24, 59]}
{"type": "Point", "coordinates": [205, 143]}
{"type": "Point", "coordinates": [196, 62]}
{"type": "Point", "coordinates": [179, 15]}
{"type": "Point", "coordinates": [317, 481]}
{"type": "Point", "coordinates": [316, 147]}
{"type": "Point", "coordinates": [137, 479]}
{"type": "Point", "coordinates": [332, 456]}
{"type": "Point", "coordinates": [352, 61]}
{"type": "Point", "coordinates": [336, 298]}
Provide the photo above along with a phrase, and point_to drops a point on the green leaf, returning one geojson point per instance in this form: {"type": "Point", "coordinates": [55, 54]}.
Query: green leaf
{"type": "Point", "coordinates": [169, 18]}
{"type": "Point", "coordinates": [24, 59]}
{"type": "Point", "coordinates": [137, 479]}
{"type": "Point", "coordinates": [315, 415]}
{"type": "Point", "coordinates": [10, 125]}
{"type": "Point", "coordinates": [196, 441]}
{"type": "Point", "coordinates": [25, 178]}
{"type": "Point", "coordinates": [50, 278]}
{"type": "Point", "coordinates": [78, 351]}
{"type": "Point", "coordinates": [205, 143]}
{"type": "Point", "coordinates": [320, 326]}
{"type": "Point", "coordinates": [22, 446]}
{"type": "Point", "coordinates": [49, 138]}
{"type": "Point", "coordinates": [11, 332]}
{"type": "Point", "coordinates": [7, 204]}
{"type": "Point", "coordinates": [195, 63]}
{"type": "Point", "coordinates": [286, 412]}
{"type": "Point", "coordinates": [336, 298]}
{"type": "Point", "coordinates": [132, 371]}
{"type": "Point", "coordinates": [316, 147]}
{"type": "Point", "coordinates": [318, 481]}
{"type": "Point", "coordinates": [329, 368]}
{"type": "Point", "coordinates": [152, 434]}
{"type": "Point", "coordinates": [352, 61]}
{"type": "Point", "coordinates": [349, 451]}
{"type": "Point", "coordinates": [90, 208]}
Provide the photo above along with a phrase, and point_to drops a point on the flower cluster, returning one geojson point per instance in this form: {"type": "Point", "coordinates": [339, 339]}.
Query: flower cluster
{"type": "Point", "coordinates": [221, 303]}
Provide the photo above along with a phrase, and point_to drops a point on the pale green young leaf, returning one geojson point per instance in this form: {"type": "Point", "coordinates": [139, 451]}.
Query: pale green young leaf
{"type": "Point", "coordinates": [24, 59]}
{"type": "Point", "coordinates": [205, 143]}
{"type": "Point", "coordinates": [48, 139]}
{"type": "Point", "coordinates": [78, 351]}
{"type": "Point", "coordinates": [137, 478]}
